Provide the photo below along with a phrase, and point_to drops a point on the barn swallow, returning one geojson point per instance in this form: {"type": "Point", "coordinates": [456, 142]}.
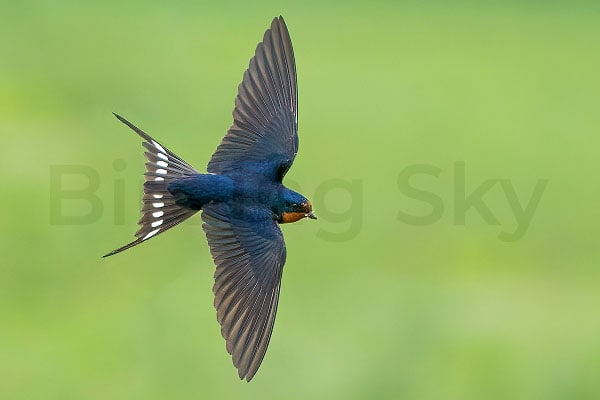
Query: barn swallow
{"type": "Point", "coordinates": [242, 198]}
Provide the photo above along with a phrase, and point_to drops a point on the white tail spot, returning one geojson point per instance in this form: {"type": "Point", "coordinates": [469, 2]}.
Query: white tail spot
{"type": "Point", "coordinates": [161, 155]}
{"type": "Point", "coordinates": [162, 164]}
{"type": "Point", "coordinates": [161, 171]}
{"type": "Point", "coordinates": [158, 146]}
{"type": "Point", "coordinates": [157, 223]}
{"type": "Point", "coordinates": [158, 214]}
{"type": "Point", "coordinates": [159, 179]}
{"type": "Point", "coordinates": [158, 205]}
{"type": "Point", "coordinates": [157, 196]}
{"type": "Point", "coordinates": [151, 233]}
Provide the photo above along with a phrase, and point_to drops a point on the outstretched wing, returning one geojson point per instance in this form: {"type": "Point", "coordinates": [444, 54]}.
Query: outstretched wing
{"type": "Point", "coordinates": [248, 249]}
{"type": "Point", "coordinates": [264, 134]}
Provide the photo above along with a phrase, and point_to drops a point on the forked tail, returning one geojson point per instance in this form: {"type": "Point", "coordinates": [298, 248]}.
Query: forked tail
{"type": "Point", "coordinates": [160, 211]}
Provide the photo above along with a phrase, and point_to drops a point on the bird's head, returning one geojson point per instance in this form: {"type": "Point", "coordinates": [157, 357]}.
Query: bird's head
{"type": "Point", "coordinates": [295, 207]}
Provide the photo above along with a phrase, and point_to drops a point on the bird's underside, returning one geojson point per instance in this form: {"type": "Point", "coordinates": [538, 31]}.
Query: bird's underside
{"type": "Point", "coordinates": [245, 240]}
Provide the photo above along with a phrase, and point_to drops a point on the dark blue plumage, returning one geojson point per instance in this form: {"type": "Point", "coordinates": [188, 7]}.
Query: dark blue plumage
{"type": "Point", "coordinates": [195, 191]}
{"type": "Point", "coordinates": [242, 198]}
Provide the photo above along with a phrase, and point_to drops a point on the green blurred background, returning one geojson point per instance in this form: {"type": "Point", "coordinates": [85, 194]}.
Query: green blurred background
{"type": "Point", "coordinates": [371, 306]}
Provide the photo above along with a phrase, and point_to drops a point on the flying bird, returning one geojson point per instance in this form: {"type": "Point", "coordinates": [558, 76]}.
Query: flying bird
{"type": "Point", "coordinates": [242, 198]}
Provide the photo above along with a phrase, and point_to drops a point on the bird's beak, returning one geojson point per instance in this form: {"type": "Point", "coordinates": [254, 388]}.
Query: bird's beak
{"type": "Point", "coordinates": [311, 215]}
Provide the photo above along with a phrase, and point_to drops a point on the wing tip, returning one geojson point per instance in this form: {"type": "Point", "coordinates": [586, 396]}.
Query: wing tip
{"type": "Point", "coordinates": [278, 22]}
{"type": "Point", "coordinates": [246, 374]}
{"type": "Point", "coordinates": [282, 21]}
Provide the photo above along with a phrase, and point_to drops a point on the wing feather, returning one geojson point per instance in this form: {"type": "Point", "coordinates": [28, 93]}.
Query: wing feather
{"type": "Point", "coordinates": [264, 134]}
{"type": "Point", "coordinates": [249, 252]}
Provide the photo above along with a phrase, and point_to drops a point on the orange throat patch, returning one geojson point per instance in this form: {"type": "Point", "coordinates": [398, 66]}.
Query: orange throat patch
{"type": "Point", "coordinates": [292, 216]}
